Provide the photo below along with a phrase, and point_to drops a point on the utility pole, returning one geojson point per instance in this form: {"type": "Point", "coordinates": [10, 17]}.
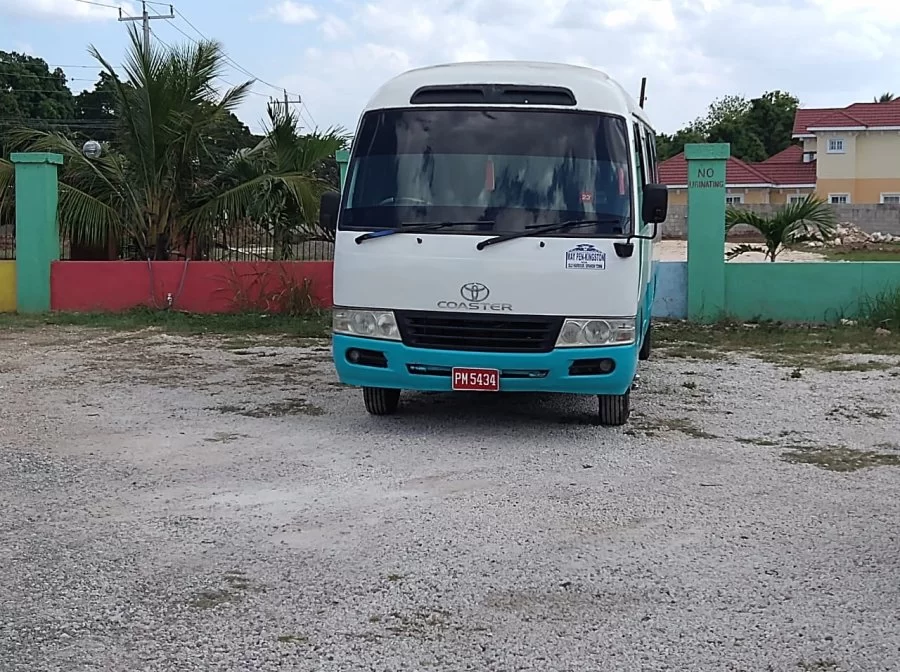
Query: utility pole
{"type": "Point", "coordinates": [287, 102]}
{"type": "Point", "coordinates": [145, 19]}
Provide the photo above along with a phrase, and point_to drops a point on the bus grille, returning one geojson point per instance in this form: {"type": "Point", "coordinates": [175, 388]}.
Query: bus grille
{"type": "Point", "coordinates": [486, 333]}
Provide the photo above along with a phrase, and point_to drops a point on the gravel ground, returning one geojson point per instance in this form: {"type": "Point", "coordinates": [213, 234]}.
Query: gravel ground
{"type": "Point", "coordinates": [676, 250]}
{"type": "Point", "coordinates": [172, 503]}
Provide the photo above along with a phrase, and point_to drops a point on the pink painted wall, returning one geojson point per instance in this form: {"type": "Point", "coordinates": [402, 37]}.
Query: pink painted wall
{"type": "Point", "coordinates": [196, 287]}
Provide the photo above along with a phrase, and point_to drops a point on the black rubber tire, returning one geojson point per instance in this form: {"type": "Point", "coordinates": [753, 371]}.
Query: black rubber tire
{"type": "Point", "coordinates": [614, 409]}
{"type": "Point", "coordinates": [644, 353]}
{"type": "Point", "coordinates": [381, 401]}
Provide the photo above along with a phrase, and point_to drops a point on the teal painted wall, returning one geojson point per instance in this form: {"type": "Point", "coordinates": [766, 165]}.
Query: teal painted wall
{"type": "Point", "coordinates": [805, 291]}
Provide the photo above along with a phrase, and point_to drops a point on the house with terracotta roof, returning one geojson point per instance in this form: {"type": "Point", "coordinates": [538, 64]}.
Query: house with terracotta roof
{"type": "Point", "coordinates": [855, 149]}
{"type": "Point", "coordinates": [783, 178]}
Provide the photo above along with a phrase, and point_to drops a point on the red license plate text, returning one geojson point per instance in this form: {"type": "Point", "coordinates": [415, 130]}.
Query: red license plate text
{"type": "Point", "coordinates": [476, 380]}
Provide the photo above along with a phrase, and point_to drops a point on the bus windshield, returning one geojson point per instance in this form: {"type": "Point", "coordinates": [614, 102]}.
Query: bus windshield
{"type": "Point", "coordinates": [489, 171]}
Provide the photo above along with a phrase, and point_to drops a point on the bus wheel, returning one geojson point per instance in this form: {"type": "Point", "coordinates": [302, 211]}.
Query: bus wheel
{"type": "Point", "coordinates": [614, 409]}
{"type": "Point", "coordinates": [381, 401]}
{"type": "Point", "coordinates": [644, 353]}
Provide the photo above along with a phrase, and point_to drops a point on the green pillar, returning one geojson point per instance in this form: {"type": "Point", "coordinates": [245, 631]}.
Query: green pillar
{"type": "Point", "coordinates": [706, 230]}
{"type": "Point", "coordinates": [37, 229]}
{"type": "Point", "coordinates": [343, 159]}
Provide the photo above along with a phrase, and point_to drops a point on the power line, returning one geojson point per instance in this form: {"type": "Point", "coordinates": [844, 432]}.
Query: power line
{"type": "Point", "coordinates": [39, 91]}
{"type": "Point", "coordinates": [98, 4]}
{"type": "Point", "coordinates": [242, 69]}
{"type": "Point", "coordinates": [29, 75]}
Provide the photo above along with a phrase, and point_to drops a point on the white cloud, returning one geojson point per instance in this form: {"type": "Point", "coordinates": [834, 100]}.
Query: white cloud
{"type": "Point", "coordinates": [288, 11]}
{"type": "Point", "coordinates": [63, 10]}
{"type": "Point", "coordinates": [827, 52]}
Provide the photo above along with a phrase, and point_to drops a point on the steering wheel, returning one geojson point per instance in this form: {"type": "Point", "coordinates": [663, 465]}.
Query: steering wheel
{"type": "Point", "coordinates": [411, 199]}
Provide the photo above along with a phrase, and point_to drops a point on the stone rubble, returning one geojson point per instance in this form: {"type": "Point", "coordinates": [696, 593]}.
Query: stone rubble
{"type": "Point", "coordinates": [847, 234]}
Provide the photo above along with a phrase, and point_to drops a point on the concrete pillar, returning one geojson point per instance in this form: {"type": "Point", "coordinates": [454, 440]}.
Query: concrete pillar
{"type": "Point", "coordinates": [343, 160]}
{"type": "Point", "coordinates": [706, 230]}
{"type": "Point", "coordinates": [37, 227]}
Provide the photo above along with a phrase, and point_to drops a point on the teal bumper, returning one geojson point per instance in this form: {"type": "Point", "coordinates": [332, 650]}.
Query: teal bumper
{"type": "Point", "coordinates": [391, 364]}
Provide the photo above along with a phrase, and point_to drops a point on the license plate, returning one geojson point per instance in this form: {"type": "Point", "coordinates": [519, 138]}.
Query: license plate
{"type": "Point", "coordinates": [476, 380]}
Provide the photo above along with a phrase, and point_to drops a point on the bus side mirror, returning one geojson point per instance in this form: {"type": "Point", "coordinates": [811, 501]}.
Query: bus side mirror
{"type": "Point", "coordinates": [656, 203]}
{"type": "Point", "coordinates": [329, 204]}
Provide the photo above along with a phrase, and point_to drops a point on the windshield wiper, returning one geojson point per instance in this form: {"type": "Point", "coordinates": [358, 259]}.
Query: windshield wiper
{"type": "Point", "coordinates": [548, 228]}
{"type": "Point", "coordinates": [415, 228]}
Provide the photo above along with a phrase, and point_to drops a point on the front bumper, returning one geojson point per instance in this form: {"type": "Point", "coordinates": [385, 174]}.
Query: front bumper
{"type": "Point", "coordinates": [391, 364]}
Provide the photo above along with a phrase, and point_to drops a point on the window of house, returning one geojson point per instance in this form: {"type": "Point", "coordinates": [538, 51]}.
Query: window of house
{"type": "Point", "coordinates": [890, 198]}
{"type": "Point", "coordinates": [734, 199]}
{"type": "Point", "coordinates": [796, 198]}
{"type": "Point", "coordinates": [838, 198]}
{"type": "Point", "coordinates": [835, 145]}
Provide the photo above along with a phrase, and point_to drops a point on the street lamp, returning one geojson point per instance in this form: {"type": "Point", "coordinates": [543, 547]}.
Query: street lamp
{"type": "Point", "coordinates": [91, 149]}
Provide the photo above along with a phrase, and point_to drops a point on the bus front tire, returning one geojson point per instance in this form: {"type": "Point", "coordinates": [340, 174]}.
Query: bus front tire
{"type": "Point", "coordinates": [614, 409]}
{"type": "Point", "coordinates": [381, 401]}
{"type": "Point", "coordinates": [644, 353]}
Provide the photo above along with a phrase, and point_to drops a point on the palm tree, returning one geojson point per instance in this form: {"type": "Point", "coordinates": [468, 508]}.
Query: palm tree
{"type": "Point", "coordinates": [885, 98]}
{"type": "Point", "coordinates": [274, 184]}
{"type": "Point", "coordinates": [140, 189]}
{"type": "Point", "coordinates": [804, 221]}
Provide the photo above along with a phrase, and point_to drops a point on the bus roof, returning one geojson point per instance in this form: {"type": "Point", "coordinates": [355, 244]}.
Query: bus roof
{"type": "Point", "coordinates": [594, 90]}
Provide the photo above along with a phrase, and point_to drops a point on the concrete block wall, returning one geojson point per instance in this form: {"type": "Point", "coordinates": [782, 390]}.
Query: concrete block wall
{"type": "Point", "coordinates": [869, 218]}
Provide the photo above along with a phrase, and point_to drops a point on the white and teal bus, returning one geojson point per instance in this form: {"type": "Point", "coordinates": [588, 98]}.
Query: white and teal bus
{"type": "Point", "coordinates": [494, 234]}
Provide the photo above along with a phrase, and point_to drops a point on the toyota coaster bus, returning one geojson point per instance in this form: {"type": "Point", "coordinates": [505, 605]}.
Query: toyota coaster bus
{"type": "Point", "coordinates": [494, 234]}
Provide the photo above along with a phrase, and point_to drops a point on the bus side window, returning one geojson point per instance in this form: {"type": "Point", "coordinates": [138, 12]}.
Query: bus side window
{"type": "Point", "coordinates": [652, 160]}
{"type": "Point", "coordinates": [640, 154]}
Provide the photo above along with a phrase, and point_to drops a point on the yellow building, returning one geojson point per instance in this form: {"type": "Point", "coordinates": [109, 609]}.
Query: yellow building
{"type": "Point", "coordinates": [856, 151]}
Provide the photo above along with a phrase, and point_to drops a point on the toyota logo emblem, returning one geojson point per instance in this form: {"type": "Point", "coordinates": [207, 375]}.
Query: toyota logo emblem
{"type": "Point", "coordinates": [474, 291]}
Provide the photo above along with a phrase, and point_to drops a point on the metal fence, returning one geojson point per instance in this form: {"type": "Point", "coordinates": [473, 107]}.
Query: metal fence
{"type": "Point", "coordinates": [253, 241]}
{"type": "Point", "coordinates": [245, 241]}
{"type": "Point", "coordinates": [7, 242]}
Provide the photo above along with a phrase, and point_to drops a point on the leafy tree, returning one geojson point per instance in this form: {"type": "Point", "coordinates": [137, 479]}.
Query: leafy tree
{"type": "Point", "coordinates": [756, 129]}
{"type": "Point", "coordinates": [30, 90]}
{"type": "Point", "coordinates": [96, 110]}
{"type": "Point", "coordinates": [668, 146]}
{"type": "Point", "coordinates": [887, 97]}
{"type": "Point", "coordinates": [141, 188]}
{"type": "Point", "coordinates": [725, 110]}
{"type": "Point", "coordinates": [771, 119]}
{"type": "Point", "coordinates": [276, 183]}
{"type": "Point", "coordinates": [807, 220]}
{"type": "Point", "coordinates": [745, 143]}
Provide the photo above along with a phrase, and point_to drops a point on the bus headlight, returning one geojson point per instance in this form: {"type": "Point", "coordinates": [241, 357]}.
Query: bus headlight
{"type": "Point", "coordinates": [585, 332]}
{"type": "Point", "coordinates": [367, 323]}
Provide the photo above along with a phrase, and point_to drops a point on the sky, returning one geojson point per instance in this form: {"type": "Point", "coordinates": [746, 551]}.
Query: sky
{"type": "Point", "coordinates": [333, 54]}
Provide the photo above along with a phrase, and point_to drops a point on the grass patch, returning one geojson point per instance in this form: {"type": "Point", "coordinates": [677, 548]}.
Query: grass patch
{"type": "Point", "coordinates": [881, 310]}
{"type": "Point", "coordinates": [872, 252]}
{"type": "Point", "coordinates": [819, 666]}
{"type": "Point", "coordinates": [674, 425]}
{"type": "Point", "coordinates": [314, 325]}
{"type": "Point", "coordinates": [812, 346]}
{"type": "Point", "coordinates": [758, 442]}
{"type": "Point", "coordinates": [688, 351]}
{"type": "Point", "coordinates": [839, 458]}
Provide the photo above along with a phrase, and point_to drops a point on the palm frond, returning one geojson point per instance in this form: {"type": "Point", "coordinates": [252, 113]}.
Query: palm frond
{"type": "Point", "coordinates": [744, 248]}
{"type": "Point", "coordinates": [735, 216]}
